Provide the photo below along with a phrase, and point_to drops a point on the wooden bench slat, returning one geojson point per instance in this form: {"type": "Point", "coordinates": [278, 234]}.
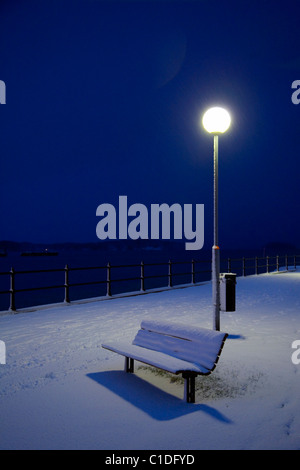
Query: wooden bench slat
{"type": "Point", "coordinates": [181, 330]}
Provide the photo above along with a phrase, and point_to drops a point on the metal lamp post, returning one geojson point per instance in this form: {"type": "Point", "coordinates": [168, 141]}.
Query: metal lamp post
{"type": "Point", "coordinates": [216, 121]}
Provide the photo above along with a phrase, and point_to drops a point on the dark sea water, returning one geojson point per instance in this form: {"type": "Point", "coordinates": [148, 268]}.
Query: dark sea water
{"type": "Point", "coordinates": [124, 264]}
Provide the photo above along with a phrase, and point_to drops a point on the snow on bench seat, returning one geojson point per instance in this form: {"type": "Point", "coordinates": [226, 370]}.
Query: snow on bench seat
{"type": "Point", "coordinates": [155, 358]}
{"type": "Point", "coordinates": [174, 347]}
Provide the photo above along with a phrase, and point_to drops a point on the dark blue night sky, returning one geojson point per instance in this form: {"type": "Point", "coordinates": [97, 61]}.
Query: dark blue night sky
{"type": "Point", "coordinates": [104, 99]}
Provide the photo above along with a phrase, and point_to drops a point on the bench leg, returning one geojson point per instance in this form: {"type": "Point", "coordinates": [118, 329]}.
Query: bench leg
{"type": "Point", "coordinates": [189, 387]}
{"type": "Point", "coordinates": [129, 365]}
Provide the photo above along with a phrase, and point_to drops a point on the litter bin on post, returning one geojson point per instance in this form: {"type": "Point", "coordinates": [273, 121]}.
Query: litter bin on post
{"type": "Point", "coordinates": [227, 292]}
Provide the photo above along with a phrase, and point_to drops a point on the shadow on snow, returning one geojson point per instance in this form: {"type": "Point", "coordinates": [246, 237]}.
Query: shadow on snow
{"type": "Point", "coordinates": [157, 403]}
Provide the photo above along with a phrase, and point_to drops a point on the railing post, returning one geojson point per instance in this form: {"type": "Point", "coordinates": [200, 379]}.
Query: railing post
{"type": "Point", "coordinates": [244, 267]}
{"type": "Point", "coordinates": [286, 262]}
{"type": "Point", "coordinates": [67, 296]}
{"type": "Point", "coordinates": [295, 264]}
{"type": "Point", "coordinates": [170, 273]}
{"type": "Point", "coordinates": [256, 265]}
{"type": "Point", "coordinates": [277, 263]}
{"type": "Point", "coordinates": [193, 271]}
{"type": "Point", "coordinates": [142, 277]}
{"type": "Point", "coordinates": [12, 306]}
{"type": "Point", "coordinates": [229, 265]}
{"type": "Point", "coordinates": [108, 281]}
{"type": "Point", "coordinates": [267, 264]}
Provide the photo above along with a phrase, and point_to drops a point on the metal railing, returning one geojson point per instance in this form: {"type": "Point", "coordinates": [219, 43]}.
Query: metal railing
{"type": "Point", "coordinates": [258, 265]}
{"type": "Point", "coordinates": [107, 278]}
{"type": "Point", "coordinates": [168, 271]}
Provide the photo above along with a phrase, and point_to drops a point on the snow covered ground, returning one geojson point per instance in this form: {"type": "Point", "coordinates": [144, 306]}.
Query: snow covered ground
{"type": "Point", "coordinates": [60, 390]}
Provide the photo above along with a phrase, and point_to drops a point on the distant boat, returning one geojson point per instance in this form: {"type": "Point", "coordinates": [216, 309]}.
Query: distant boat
{"type": "Point", "coordinates": [39, 253]}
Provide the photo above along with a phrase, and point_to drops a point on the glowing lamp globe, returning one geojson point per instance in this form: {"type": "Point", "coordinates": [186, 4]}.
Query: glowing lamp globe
{"type": "Point", "coordinates": [216, 120]}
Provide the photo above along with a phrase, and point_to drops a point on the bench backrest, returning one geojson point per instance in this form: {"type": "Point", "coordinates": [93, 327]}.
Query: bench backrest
{"type": "Point", "coordinates": [194, 344]}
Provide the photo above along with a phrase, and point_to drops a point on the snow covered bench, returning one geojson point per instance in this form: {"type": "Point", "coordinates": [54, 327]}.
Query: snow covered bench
{"type": "Point", "coordinates": [173, 347]}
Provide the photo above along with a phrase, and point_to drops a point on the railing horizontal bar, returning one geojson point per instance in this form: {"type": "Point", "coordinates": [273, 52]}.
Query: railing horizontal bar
{"type": "Point", "coordinates": [39, 288]}
{"type": "Point", "coordinates": [180, 262]}
{"type": "Point", "coordinates": [181, 274]}
{"type": "Point", "coordinates": [127, 279]}
{"type": "Point", "coordinates": [156, 264]}
{"type": "Point", "coordinates": [86, 283]}
{"type": "Point", "coordinates": [40, 271]}
{"type": "Point", "coordinates": [126, 266]}
{"type": "Point", "coordinates": [202, 272]}
{"type": "Point", "coordinates": [87, 268]}
{"type": "Point", "coordinates": [156, 276]}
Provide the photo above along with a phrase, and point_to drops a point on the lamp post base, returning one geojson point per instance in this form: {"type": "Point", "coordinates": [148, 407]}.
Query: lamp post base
{"type": "Point", "coordinates": [216, 286]}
